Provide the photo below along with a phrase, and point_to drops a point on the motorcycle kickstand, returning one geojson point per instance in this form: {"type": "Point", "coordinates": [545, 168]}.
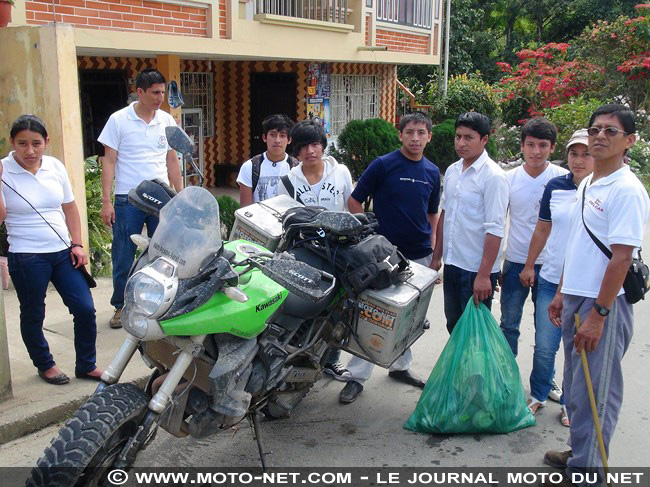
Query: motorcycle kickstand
{"type": "Point", "coordinates": [254, 419]}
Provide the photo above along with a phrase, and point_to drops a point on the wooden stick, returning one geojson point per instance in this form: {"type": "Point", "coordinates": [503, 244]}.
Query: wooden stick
{"type": "Point", "coordinates": [592, 401]}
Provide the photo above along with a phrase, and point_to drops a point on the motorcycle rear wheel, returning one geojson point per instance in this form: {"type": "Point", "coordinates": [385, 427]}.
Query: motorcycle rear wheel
{"type": "Point", "coordinates": [89, 442]}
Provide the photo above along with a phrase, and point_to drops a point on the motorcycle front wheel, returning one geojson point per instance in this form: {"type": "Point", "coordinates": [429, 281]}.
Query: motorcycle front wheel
{"type": "Point", "coordinates": [88, 444]}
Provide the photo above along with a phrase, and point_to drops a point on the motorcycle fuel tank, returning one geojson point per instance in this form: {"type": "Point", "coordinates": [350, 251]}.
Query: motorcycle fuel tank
{"type": "Point", "coordinates": [224, 315]}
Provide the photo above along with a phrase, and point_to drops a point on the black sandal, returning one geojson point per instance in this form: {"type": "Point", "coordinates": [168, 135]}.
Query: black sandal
{"type": "Point", "coordinates": [87, 376]}
{"type": "Point", "coordinates": [57, 380]}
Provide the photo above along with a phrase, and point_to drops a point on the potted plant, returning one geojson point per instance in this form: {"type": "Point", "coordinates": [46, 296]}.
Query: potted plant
{"type": "Point", "coordinates": [5, 12]}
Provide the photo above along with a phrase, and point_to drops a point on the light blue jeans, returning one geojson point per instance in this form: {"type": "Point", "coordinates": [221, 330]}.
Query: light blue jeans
{"type": "Point", "coordinates": [547, 343]}
{"type": "Point", "coordinates": [513, 298]}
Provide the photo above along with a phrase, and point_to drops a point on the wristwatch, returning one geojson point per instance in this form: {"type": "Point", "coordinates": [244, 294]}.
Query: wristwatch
{"type": "Point", "coordinates": [601, 310]}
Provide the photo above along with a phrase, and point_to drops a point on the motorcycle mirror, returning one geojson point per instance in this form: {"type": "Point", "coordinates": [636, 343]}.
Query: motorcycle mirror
{"type": "Point", "coordinates": [179, 140]}
{"type": "Point", "coordinates": [150, 197]}
{"type": "Point", "coordinates": [300, 278]}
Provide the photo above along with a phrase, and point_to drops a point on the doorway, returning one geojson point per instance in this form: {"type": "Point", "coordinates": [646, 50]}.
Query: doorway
{"type": "Point", "coordinates": [270, 93]}
{"type": "Point", "coordinates": [102, 92]}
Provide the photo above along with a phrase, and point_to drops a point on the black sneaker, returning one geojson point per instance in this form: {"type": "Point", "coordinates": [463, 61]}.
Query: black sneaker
{"type": "Point", "coordinates": [337, 371]}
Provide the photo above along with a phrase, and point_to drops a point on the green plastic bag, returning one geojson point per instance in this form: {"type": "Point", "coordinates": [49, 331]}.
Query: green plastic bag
{"type": "Point", "coordinates": [475, 386]}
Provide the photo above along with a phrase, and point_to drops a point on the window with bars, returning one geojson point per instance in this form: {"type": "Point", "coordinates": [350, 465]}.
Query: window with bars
{"type": "Point", "coordinates": [198, 92]}
{"type": "Point", "coordinates": [353, 97]}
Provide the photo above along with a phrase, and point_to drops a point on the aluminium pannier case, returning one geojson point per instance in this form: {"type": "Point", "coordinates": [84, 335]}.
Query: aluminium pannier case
{"type": "Point", "coordinates": [261, 223]}
{"type": "Point", "coordinates": [389, 320]}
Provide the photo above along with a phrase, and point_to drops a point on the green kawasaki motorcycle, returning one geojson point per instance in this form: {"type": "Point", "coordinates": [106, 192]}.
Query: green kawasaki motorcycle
{"type": "Point", "coordinates": [231, 331]}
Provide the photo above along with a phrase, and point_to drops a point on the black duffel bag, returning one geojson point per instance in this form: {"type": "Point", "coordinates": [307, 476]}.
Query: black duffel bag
{"type": "Point", "coordinates": [372, 263]}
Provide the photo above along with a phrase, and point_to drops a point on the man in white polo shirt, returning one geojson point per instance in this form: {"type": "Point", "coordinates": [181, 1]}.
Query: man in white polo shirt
{"type": "Point", "coordinates": [136, 149]}
{"type": "Point", "coordinates": [527, 183]}
{"type": "Point", "coordinates": [473, 219]}
{"type": "Point", "coordinates": [614, 206]}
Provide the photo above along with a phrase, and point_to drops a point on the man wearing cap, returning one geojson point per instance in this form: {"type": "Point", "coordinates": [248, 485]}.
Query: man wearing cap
{"type": "Point", "coordinates": [551, 234]}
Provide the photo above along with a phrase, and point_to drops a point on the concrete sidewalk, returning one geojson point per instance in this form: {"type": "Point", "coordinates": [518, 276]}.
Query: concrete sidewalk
{"type": "Point", "coordinates": [37, 404]}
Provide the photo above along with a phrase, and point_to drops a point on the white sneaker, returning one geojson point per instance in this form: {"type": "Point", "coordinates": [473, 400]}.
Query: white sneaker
{"type": "Point", "coordinates": [556, 392]}
{"type": "Point", "coordinates": [338, 371]}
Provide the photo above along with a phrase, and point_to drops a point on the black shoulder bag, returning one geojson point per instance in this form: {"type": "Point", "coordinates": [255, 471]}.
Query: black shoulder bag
{"type": "Point", "coordinates": [84, 272]}
{"type": "Point", "coordinates": [637, 280]}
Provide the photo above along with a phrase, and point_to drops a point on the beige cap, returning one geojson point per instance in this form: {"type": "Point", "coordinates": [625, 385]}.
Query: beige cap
{"type": "Point", "coordinates": [579, 137]}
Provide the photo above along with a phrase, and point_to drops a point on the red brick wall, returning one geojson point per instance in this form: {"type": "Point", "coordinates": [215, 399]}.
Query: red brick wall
{"type": "Point", "coordinates": [368, 40]}
{"type": "Point", "coordinates": [223, 20]}
{"type": "Point", "coordinates": [436, 35]}
{"type": "Point", "coordinates": [128, 15]}
{"type": "Point", "coordinates": [403, 41]}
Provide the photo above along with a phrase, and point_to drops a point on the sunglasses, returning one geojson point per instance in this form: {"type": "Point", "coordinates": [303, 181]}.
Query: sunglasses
{"type": "Point", "coordinates": [609, 131]}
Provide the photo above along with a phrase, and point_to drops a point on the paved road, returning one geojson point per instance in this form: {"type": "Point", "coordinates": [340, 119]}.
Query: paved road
{"type": "Point", "coordinates": [369, 432]}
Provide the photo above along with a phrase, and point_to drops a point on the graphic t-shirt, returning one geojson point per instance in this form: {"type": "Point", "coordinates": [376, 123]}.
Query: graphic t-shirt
{"type": "Point", "coordinates": [404, 193]}
{"type": "Point", "coordinates": [270, 174]}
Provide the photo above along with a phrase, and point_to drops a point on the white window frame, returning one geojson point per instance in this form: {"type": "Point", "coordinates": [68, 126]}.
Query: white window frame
{"type": "Point", "coordinates": [198, 92]}
{"type": "Point", "coordinates": [353, 97]}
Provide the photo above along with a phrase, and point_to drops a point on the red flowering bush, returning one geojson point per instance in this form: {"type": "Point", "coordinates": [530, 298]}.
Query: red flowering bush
{"type": "Point", "coordinates": [622, 49]}
{"type": "Point", "coordinates": [543, 79]}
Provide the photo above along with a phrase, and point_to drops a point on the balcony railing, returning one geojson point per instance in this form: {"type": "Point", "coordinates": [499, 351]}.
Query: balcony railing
{"type": "Point", "coordinates": [324, 10]}
{"type": "Point", "coordinates": [415, 13]}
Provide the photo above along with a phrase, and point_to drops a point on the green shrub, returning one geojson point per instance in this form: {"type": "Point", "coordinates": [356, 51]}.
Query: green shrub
{"type": "Point", "coordinates": [568, 118]}
{"type": "Point", "coordinates": [515, 112]}
{"type": "Point", "coordinates": [362, 141]}
{"type": "Point", "coordinates": [441, 150]}
{"type": "Point", "coordinates": [508, 141]}
{"type": "Point", "coordinates": [99, 235]}
{"type": "Point", "coordinates": [639, 159]}
{"type": "Point", "coordinates": [465, 94]}
{"type": "Point", "coordinates": [227, 208]}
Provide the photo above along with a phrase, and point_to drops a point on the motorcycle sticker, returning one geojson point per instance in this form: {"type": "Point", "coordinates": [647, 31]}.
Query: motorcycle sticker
{"type": "Point", "coordinates": [376, 315]}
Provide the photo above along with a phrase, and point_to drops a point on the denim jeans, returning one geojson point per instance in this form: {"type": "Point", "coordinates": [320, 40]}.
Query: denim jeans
{"type": "Point", "coordinates": [333, 356]}
{"type": "Point", "coordinates": [458, 288]}
{"type": "Point", "coordinates": [513, 298]}
{"type": "Point", "coordinates": [547, 343]}
{"type": "Point", "coordinates": [31, 274]}
{"type": "Point", "coordinates": [129, 220]}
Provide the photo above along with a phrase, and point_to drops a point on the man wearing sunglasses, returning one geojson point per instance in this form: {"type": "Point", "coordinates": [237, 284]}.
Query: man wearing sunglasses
{"type": "Point", "coordinates": [613, 204]}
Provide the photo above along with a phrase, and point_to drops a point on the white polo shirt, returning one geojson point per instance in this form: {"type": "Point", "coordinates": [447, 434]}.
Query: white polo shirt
{"type": "Point", "coordinates": [558, 199]}
{"type": "Point", "coordinates": [141, 147]}
{"type": "Point", "coordinates": [524, 201]}
{"type": "Point", "coordinates": [46, 190]}
{"type": "Point", "coordinates": [616, 211]}
{"type": "Point", "coordinates": [475, 203]}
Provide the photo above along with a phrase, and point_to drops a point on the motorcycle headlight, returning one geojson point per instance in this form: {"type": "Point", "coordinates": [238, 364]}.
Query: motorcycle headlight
{"type": "Point", "coordinates": [145, 292]}
{"type": "Point", "coordinates": [149, 294]}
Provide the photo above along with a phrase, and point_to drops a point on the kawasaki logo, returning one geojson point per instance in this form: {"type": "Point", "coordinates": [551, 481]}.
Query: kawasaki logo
{"type": "Point", "coordinates": [151, 198]}
{"type": "Point", "coordinates": [263, 306]}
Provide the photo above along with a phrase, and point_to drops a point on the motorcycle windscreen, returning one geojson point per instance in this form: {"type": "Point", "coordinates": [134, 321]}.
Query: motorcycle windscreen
{"type": "Point", "coordinates": [189, 232]}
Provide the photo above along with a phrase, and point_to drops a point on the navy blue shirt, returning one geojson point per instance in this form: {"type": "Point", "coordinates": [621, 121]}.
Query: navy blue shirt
{"type": "Point", "coordinates": [404, 193]}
